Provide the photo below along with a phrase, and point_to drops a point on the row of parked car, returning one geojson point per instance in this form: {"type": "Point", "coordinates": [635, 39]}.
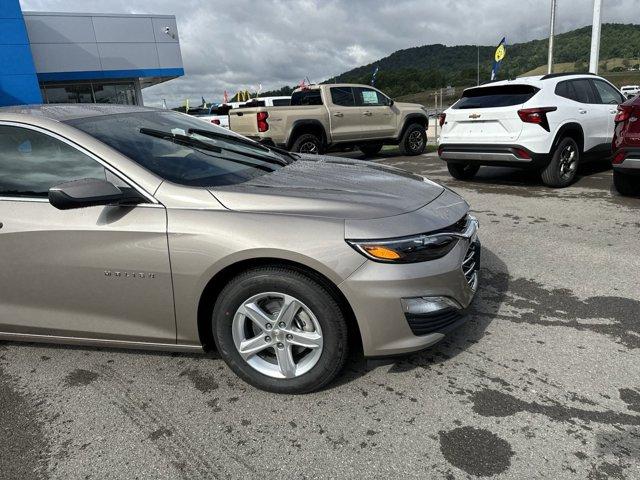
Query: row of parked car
{"type": "Point", "coordinates": [552, 123]}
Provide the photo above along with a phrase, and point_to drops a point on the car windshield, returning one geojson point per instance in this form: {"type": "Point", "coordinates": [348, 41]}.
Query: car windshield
{"type": "Point", "coordinates": [183, 149]}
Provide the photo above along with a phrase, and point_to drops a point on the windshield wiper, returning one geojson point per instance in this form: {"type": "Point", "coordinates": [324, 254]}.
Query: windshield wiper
{"type": "Point", "coordinates": [199, 145]}
{"type": "Point", "coordinates": [242, 141]}
{"type": "Point", "coordinates": [181, 139]}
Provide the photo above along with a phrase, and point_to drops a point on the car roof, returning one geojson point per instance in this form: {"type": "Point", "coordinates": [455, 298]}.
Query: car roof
{"type": "Point", "coordinates": [538, 80]}
{"type": "Point", "coordinates": [65, 111]}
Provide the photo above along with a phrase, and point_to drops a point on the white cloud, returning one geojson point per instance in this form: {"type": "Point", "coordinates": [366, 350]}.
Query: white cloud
{"type": "Point", "coordinates": [232, 44]}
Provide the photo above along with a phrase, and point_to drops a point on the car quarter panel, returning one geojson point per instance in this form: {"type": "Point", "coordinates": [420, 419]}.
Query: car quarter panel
{"type": "Point", "coordinates": [204, 242]}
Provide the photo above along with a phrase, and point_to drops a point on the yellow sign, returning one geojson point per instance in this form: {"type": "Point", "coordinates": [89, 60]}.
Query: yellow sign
{"type": "Point", "coordinates": [500, 53]}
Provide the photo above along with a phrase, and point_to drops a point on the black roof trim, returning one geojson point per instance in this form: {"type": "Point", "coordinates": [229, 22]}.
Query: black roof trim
{"type": "Point", "coordinates": [565, 74]}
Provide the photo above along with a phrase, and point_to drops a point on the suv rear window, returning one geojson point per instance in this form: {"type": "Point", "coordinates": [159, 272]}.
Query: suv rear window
{"type": "Point", "coordinates": [306, 97]}
{"type": "Point", "coordinates": [498, 96]}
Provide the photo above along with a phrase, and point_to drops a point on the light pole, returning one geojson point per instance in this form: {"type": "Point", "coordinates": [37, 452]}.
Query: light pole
{"type": "Point", "coordinates": [595, 36]}
{"type": "Point", "coordinates": [552, 27]}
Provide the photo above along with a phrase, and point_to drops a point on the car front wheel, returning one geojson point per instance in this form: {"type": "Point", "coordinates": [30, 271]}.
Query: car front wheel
{"type": "Point", "coordinates": [280, 330]}
{"type": "Point", "coordinates": [414, 140]}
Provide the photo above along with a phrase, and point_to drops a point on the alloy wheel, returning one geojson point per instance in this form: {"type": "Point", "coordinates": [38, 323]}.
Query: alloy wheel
{"type": "Point", "coordinates": [277, 335]}
{"type": "Point", "coordinates": [568, 162]}
{"type": "Point", "coordinates": [415, 140]}
{"type": "Point", "coordinates": [308, 147]}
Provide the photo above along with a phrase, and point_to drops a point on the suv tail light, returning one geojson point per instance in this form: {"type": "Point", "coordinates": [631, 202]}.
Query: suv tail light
{"type": "Point", "coordinates": [215, 121]}
{"type": "Point", "coordinates": [263, 126]}
{"type": "Point", "coordinates": [441, 118]}
{"type": "Point", "coordinates": [536, 115]}
{"type": "Point", "coordinates": [624, 113]}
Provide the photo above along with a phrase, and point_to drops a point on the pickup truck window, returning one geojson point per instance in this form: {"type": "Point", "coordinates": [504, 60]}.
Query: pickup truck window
{"type": "Point", "coordinates": [306, 97]}
{"type": "Point", "coordinates": [369, 97]}
{"type": "Point", "coordinates": [343, 96]}
{"type": "Point", "coordinates": [281, 102]}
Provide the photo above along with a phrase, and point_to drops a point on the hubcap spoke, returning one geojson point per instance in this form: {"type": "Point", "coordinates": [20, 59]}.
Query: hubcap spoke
{"type": "Point", "coordinates": [290, 307]}
{"type": "Point", "coordinates": [256, 314]}
{"type": "Point", "coordinates": [250, 347]}
{"type": "Point", "coordinates": [285, 361]}
{"type": "Point", "coordinates": [305, 339]}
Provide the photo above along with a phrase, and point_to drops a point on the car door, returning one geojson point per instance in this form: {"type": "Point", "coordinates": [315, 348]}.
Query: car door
{"type": "Point", "coordinates": [99, 272]}
{"type": "Point", "coordinates": [608, 98]}
{"type": "Point", "coordinates": [378, 115]}
{"type": "Point", "coordinates": [346, 118]}
{"type": "Point", "coordinates": [587, 111]}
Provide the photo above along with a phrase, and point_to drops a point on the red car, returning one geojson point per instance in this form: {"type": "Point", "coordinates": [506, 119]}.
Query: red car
{"type": "Point", "coordinates": [626, 148]}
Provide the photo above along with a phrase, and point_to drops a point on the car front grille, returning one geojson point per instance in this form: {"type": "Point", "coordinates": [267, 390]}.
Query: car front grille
{"type": "Point", "coordinates": [471, 264]}
{"type": "Point", "coordinates": [433, 323]}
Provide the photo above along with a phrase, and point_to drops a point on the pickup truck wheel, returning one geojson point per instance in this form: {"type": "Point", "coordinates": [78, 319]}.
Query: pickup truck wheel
{"type": "Point", "coordinates": [563, 167]}
{"type": "Point", "coordinates": [414, 140]}
{"type": "Point", "coordinates": [370, 149]}
{"type": "Point", "coordinates": [462, 171]}
{"type": "Point", "coordinates": [307, 143]}
{"type": "Point", "coordinates": [628, 185]}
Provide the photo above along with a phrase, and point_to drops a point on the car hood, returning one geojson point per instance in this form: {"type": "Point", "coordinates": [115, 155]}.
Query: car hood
{"type": "Point", "coordinates": [331, 187]}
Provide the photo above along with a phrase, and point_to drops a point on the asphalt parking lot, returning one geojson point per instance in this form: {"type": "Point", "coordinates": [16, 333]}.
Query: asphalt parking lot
{"type": "Point", "coordinates": [542, 382]}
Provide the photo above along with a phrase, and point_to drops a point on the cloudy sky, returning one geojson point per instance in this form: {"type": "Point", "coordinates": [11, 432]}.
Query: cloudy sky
{"type": "Point", "coordinates": [232, 44]}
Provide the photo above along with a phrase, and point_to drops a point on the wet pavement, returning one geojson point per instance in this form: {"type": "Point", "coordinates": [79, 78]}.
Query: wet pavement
{"type": "Point", "coordinates": [542, 382]}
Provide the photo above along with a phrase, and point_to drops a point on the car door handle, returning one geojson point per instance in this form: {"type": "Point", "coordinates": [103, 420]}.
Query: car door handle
{"type": "Point", "coordinates": [613, 111]}
{"type": "Point", "coordinates": [367, 114]}
{"type": "Point", "coordinates": [338, 114]}
{"type": "Point", "coordinates": [582, 111]}
{"type": "Point", "coordinates": [1, 224]}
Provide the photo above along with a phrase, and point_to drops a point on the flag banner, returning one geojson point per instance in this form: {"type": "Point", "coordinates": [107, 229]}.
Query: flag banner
{"type": "Point", "coordinates": [373, 76]}
{"type": "Point", "coordinates": [498, 56]}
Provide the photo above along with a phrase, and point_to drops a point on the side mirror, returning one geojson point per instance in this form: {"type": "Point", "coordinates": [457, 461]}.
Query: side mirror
{"type": "Point", "coordinates": [87, 192]}
{"type": "Point", "coordinates": [391, 102]}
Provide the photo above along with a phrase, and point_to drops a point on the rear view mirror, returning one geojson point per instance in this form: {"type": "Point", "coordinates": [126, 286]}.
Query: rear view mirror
{"type": "Point", "coordinates": [87, 192]}
{"type": "Point", "coordinates": [391, 102]}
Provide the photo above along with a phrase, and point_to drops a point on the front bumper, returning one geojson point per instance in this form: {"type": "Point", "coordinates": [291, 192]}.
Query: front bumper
{"type": "Point", "coordinates": [377, 293]}
{"type": "Point", "coordinates": [497, 155]}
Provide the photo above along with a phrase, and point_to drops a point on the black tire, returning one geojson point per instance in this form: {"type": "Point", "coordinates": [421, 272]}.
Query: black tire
{"type": "Point", "coordinates": [310, 292]}
{"type": "Point", "coordinates": [628, 185]}
{"type": "Point", "coordinates": [414, 140]}
{"type": "Point", "coordinates": [562, 169]}
{"type": "Point", "coordinates": [370, 149]}
{"type": "Point", "coordinates": [462, 171]}
{"type": "Point", "coordinates": [307, 143]}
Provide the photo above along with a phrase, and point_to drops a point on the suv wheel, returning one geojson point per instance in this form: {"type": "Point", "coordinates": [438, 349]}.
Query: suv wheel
{"type": "Point", "coordinates": [414, 140]}
{"type": "Point", "coordinates": [280, 330]}
{"type": "Point", "coordinates": [307, 143]}
{"type": "Point", "coordinates": [370, 149]}
{"type": "Point", "coordinates": [462, 171]}
{"type": "Point", "coordinates": [626, 184]}
{"type": "Point", "coordinates": [562, 170]}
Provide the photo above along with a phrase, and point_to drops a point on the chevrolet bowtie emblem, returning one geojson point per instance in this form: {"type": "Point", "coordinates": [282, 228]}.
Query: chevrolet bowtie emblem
{"type": "Point", "coordinates": [474, 115]}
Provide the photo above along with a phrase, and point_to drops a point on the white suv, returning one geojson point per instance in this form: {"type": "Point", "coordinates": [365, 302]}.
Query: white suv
{"type": "Point", "coordinates": [550, 123]}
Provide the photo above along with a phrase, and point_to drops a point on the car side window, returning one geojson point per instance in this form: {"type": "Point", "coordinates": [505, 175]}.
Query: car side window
{"type": "Point", "coordinates": [565, 89]}
{"type": "Point", "coordinates": [31, 162]}
{"type": "Point", "coordinates": [368, 97]}
{"type": "Point", "coordinates": [584, 93]}
{"type": "Point", "coordinates": [343, 96]}
{"type": "Point", "coordinates": [306, 97]}
{"type": "Point", "coordinates": [608, 94]}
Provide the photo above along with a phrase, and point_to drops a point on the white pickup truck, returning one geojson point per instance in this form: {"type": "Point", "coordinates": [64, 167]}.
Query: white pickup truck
{"type": "Point", "coordinates": [219, 114]}
{"type": "Point", "coordinates": [334, 116]}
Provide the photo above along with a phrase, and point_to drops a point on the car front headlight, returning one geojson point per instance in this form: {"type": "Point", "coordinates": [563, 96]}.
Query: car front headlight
{"type": "Point", "coordinates": [416, 248]}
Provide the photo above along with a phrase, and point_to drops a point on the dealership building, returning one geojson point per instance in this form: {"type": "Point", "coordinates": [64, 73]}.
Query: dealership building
{"type": "Point", "coordinates": [82, 57]}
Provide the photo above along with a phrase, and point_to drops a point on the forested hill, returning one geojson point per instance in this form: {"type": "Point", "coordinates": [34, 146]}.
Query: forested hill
{"type": "Point", "coordinates": [433, 66]}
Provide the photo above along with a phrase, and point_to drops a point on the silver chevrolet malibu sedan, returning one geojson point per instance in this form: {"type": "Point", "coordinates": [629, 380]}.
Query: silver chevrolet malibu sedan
{"type": "Point", "coordinates": [136, 227]}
